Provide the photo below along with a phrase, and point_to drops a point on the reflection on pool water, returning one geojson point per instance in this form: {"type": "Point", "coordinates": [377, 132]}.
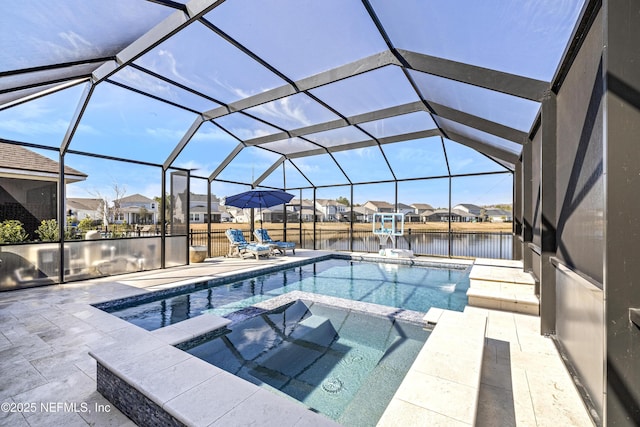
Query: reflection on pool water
{"type": "Point", "coordinates": [344, 364]}
{"type": "Point", "coordinates": [414, 288]}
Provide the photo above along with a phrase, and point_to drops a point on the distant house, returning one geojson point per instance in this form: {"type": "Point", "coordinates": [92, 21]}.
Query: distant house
{"type": "Point", "coordinates": [82, 208]}
{"type": "Point", "coordinates": [135, 209]}
{"type": "Point", "coordinates": [379, 206]}
{"type": "Point", "coordinates": [498, 215]}
{"type": "Point", "coordinates": [470, 209]}
{"type": "Point", "coordinates": [198, 209]}
{"type": "Point", "coordinates": [421, 207]}
{"type": "Point", "coordinates": [304, 209]}
{"type": "Point", "coordinates": [330, 209]}
{"type": "Point", "coordinates": [405, 209]}
{"type": "Point", "coordinates": [457, 215]}
{"type": "Point", "coordinates": [363, 214]}
{"type": "Point", "coordinates": [29, 186]}
{"type": "Point", "coordinates": [421, 212]}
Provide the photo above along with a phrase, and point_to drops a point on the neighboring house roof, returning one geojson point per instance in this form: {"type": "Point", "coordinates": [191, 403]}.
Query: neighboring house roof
{"type": "Point", "coordinates": [194, 198]}
{"type": "Point", "coordinates": [380, 204]}
{"type": "Point", "coordinates": [305, 202]}
{"type": "Point", "coordinates": [135, 198]}
{"type": "Point", "coordinates": [403, 206]}
{"type": "Point", "coordinates": [422, 206]}
{"type": "Point", "coordinates": [470, 207]}
{"type": "Point", "coordinates": [363, 210]}
{"type": "Point", "coordinates": [19, 160]}
{"type": "Point", "coordinates": [458, 212]}
{"type": "Point", "coordinates": [78, 203]}
{"type": "Point", "coordinates": [326, 202]}
{"type": "Point", "coordinates": [497, 212]}
{"type": "Point", "coordinates": [423, 212]}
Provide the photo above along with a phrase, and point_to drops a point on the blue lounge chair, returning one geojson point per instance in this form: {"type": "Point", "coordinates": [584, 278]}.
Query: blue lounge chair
{"type": "Point", "coordinates": [238, 246]}
{"type": "Point", "coordinates": [263, 237]}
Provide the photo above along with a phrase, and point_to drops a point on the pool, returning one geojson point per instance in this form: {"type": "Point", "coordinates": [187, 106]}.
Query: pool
{"type": "Point", "coordinates": [344, 364]}
{"type": "Point", "coordinates": [408, 287]}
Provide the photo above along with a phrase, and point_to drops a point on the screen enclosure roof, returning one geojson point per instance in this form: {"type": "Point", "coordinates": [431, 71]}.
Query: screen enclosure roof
{"type": "Point", "coordinates": [329, 92]}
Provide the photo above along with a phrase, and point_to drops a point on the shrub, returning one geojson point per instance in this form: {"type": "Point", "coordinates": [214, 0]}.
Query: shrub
{"type": "Point", "coordinates": [85, 224]}
{"type": "Point", "coordinates": [12, 231]}
{"type": "Point", "coordinates": [48, 230]}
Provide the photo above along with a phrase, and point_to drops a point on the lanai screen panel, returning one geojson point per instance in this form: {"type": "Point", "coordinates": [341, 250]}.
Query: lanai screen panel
{"type": "Point", "coordinates": [293, 112]}
{"type": "Point", "coordinates": [248, 165]}
{"type": "Point", "coordinates": [418, 158]}
{"type": "Point", "coordinates": [464, 160]}
{"type": "Point", "coordinates": [199, 58]}
{"type": "Point", "coordinates": [42, 121]}
{"type": "Point", "coordinates": [39, 78]}
{"type": "Point", "coordinates": [399, 125]}
{"type": "Point", "coordinates": [477, 135]}
{"type": "Point", "coordinates": [125, 124]}
{"type": "Point", "coordinates": [318, 35]}
{"type": "Point", "coordinates": [525, 37]}
{"type": "Point", "coordinates": [290, 146]}
{"type": "Point", "coordinates": [147, 83]}
{"type": "Point", "coordinates": [206, 150]}
{"type": "Point", "coordinates": [320, 170]}
{"type": "Point", "coordinates": [294, 178]}
{"type": "Point", "coordinates": [338, 137]}
{"type": "Point", "coordinates": [39, 33]}
{"type": "Point", "coordinates": [382, 88]}
{"type": "Point", "coordinates": [245, 127]}
{"type": "Point", "coordinates": [508, 110]}
{"type": "Point", "coordinates": [365, 164]}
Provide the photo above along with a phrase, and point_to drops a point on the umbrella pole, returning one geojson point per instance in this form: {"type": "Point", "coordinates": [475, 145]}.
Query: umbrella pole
{"type": "Point", "coordinates": [251, 227]}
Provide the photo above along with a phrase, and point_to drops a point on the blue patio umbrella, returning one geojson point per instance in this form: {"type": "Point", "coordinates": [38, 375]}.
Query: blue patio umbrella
{"type": "Point", "coordinates": [258, 199]}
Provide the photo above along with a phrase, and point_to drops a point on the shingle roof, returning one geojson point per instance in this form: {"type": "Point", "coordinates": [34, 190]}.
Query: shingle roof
{"type": "Point", "coordinates": [20, 158]}
{"type": "Point", "coordinates": [422, 206]}
{"type": "Point", "coordinates": [380, 204]}
{"type": "Point", "coordinates": [193, 198]}
{"type": "Point", "coordinates": [136, 198]}
{"type": "Point", "coordinates": [86, 204]}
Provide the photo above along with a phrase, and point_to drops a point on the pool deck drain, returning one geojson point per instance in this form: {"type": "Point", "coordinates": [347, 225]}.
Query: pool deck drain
{"type": "Point", "coordinates": [48, 332]}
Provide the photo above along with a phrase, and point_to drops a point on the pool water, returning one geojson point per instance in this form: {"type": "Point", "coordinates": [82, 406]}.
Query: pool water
{"type": "Point", "coordinates": [344, 364]}
{"type": "Point", "coordinates": [408, 287]}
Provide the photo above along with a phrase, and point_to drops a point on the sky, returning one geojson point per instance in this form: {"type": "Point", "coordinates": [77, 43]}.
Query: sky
{"type": "Point", "coordinates": [124, 124]}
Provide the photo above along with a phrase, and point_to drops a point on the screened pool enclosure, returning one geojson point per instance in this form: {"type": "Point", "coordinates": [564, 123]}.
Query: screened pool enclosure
{"type": "Point", "coordinates": [347, 100]}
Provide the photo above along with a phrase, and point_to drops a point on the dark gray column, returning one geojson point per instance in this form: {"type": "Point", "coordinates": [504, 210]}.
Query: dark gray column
{"type": "Point", "coordinates": [622, 210]}
{"type": "Point", "coordinates": [548, 223]}
{"type": "Point", "coordinates": [517, 211]}
{"type": "Point", "coordinates": [527, 208]}
{"type": "Point", "coordinates": [163, 219]}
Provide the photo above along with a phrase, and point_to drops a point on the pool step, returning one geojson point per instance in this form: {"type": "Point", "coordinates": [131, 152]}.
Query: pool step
{"type": "Point", "coordinates": [316, 330]}
{"type": "Point", "coordinates": [190, 328]}
{"type": "Point", "coordinates": [502, 287]}
{"type": "Point", "coordinates": [442, 385]}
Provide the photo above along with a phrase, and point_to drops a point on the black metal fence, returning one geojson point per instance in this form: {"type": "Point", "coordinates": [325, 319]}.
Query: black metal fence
{"type": "Point", "coordinates": [421, 242]}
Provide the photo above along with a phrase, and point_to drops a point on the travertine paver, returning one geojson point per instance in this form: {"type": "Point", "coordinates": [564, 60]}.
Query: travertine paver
{"type": "Point", "coordinates": [524, 381]}
{"type": "Point", "coordinates": [50, 328]}
{"type": "Point", "coordinates": [500, 274]}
